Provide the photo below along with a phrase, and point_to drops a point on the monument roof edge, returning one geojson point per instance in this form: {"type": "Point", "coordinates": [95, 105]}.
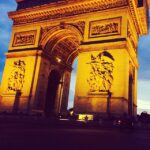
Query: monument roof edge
{"type": "Point", "coordinates": [52, 6]}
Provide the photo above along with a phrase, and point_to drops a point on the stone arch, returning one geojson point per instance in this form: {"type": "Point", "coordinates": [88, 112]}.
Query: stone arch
{"type": "Point", "coordinates": [54, 30]}
{"type": "Point", "coordinates": [62, 42]}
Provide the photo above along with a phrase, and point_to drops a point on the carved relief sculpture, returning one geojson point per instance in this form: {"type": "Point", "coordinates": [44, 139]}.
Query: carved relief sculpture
{"type": "Point", "coordinates": [101, 73]}
{"type": "Point", "coordinates": [82, 8]}
{"type": "Point", "coordinates": [80, 25]}
{"type": "Point", "coordinates": [105, 27]}
{"type": "Point", "coordinates": [24, 38]}
{"type": "Point", "coordinates": [131, 37]}
{"type": "Point", "coordinates": [16, 79]}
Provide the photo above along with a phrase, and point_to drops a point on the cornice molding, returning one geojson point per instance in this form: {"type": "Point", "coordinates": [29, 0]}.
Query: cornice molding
{"type": "Point", "coordinates": [133, 10]}
{"type": "Point", "coordinates": [139, 17]}
{"type": "Point", "coordinates": [143, 18]}
{"type": "Point", "coordinates": [63, 9]}
{"type": "Point", "coordinates": [69, 8]}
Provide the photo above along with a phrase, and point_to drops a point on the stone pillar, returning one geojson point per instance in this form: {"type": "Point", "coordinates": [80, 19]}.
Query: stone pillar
{"type": "Point", "coordinates": [102, 81]}
{"type": "Point", "coordinates": [20, 74]}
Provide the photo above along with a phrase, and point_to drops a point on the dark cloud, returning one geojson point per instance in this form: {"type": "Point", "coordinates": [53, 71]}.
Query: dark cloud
{"type": "Point", "coordinates": [5, 29]}
{"type": "Point", "coordinates": [144, 57]}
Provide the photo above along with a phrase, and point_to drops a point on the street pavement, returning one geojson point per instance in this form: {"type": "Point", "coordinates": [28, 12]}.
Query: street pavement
{"type": "Point", "coordinates": [24, 134]}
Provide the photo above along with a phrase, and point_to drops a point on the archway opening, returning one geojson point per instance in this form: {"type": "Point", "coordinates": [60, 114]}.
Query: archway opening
{"type": "Point", "coordinates": [72, 84]}
{"type": "Point", "coordinates": [53, 84]}
{"type": "Point", "coordinates": [61, 47]}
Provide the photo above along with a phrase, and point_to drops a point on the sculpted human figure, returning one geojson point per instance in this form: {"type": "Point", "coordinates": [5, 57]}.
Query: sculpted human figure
{"type": "Point", "coordinates": [100, 77]}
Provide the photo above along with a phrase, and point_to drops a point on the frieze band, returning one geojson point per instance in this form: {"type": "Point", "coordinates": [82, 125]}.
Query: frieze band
{"type": "Point", "coordinates": [105, 27]}
{"type": "Point", "coordinates": [67, 11]}
{"type": "Point", "coordinates": [24, 38]}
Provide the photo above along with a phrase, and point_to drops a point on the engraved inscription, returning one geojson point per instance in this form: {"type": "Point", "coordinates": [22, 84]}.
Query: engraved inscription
{"type": "Point", "coordinates": [24, 38]}
{"type": "Point", "coordinates": [105, 27]}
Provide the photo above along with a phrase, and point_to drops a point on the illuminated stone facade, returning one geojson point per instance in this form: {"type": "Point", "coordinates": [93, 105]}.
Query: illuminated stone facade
{"type": "Point", "coordinates": [48, 36]}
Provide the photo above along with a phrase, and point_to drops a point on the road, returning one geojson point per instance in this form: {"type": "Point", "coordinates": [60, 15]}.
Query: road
{"type": "Point", "coordinates": [31, 136]}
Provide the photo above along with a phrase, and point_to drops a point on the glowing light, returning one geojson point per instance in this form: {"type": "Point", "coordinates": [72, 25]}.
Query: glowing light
{"type": "Point", "coordinates": [71, 113]}
{"type": "Point", "coordinates": [58, 59]}
{"type": "Point", "coordinates": [85, 117]}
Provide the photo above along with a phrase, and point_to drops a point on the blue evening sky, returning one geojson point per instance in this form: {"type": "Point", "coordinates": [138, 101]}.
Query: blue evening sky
{"type": "Point", "coordinates": [143, 54]}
